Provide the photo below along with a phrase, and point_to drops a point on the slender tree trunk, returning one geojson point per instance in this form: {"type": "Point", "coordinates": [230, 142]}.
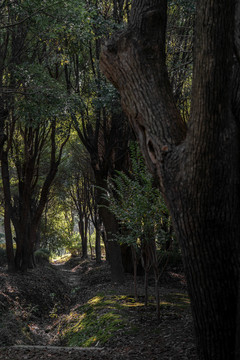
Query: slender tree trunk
{"type": "Point", "coordinates": [104, 238]}
{"type": "Point", "coordinates": [111, 228]}
{"type": "Point", "coordinates": [7, 211]}
{"type": "Point", "coordinates": [157, 298]}
{"type": "Point", "coordinates": [83, 234]}
{"type": "Point", "coordinates": [98, 243]}
{"type": "Point", "coordinates": [146, 286]}
{"type": "Point", "coordinates": [18, 254]}
{"type": "Point", "coordinates": [33, 237]}
{"type": "Point", "coordinates": [85, 254]}
{"type": "Point", "coordinates": [134, 260]}
{"type": "Point", "coordinates": [155, 265]}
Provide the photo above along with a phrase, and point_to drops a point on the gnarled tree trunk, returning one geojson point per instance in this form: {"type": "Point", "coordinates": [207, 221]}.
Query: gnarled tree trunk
{"type": "Point", "coordinates": [198, 166]}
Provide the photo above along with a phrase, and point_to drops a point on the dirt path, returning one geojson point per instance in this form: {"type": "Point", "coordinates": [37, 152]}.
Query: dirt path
{"type": "Point", "coordinates": [72, 285]}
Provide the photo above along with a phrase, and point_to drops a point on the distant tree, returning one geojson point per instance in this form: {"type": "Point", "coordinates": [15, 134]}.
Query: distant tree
{"type": "Point", "coordinates": [97, 116]}
{"type": "Point", "coordinates": [31, 105]}
{"type": "Point", "coordinates": [34, 179]}
{"type": "Point", "coordinates": [95, 218]}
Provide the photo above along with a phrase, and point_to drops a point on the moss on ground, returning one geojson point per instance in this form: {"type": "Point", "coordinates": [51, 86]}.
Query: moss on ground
{"type": "Point", "coordinates": [105, 316]}
{"type": "Point", "coordinates": [96, 321]}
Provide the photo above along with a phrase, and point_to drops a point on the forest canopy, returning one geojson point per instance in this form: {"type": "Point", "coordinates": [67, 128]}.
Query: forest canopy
{"type": "Point", "coordinates": [80, 81]}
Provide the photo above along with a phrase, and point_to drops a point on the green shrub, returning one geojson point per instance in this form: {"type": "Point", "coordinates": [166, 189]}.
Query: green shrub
{"type": "Point", "coordinates": [42, 256]}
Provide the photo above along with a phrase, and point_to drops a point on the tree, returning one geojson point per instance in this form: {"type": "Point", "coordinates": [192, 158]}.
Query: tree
{"type": "Point", "coordinates": [198, 163]}
{"type": "Point", "coordinates": [35, 175]}
{"type": "Point", "coordinates": [81, 182]}
{"type": "Point", "coordinates": [143, 216]}
{"type": "Point", "coordinates": [31, 106]}
{"type": "Point", "coordinates": [97, 116]}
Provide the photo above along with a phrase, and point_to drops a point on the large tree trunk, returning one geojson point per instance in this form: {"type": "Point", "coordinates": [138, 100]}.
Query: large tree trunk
{"type": "Point", "coordinates": [26, 239]}
{"type": "Point", "coordinates": [198, 167]}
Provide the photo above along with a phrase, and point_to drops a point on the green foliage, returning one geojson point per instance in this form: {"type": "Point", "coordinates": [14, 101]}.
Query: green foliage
{"type": "Point", "coordinates": [52, 43]}
{"type": "Point", "coordinates": [46, 97]}
{"type": "Point", "coordinates": [57, 233]}
{"type": "Point", "coordinates": [179, 49]}
{"type": "Point", "coordinates": [42, 256]}
{"type": "Point", "coordinates": [138, 205]}
{"type": "Point", "coordinates": [187, 6]}
{"type": "Point", "coordinates": [2, 238]}
{"type": "Point", "coordinates": [73, 244]}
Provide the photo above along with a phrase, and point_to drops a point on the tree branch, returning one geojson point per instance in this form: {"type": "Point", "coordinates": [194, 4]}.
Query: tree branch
{"type": "Point", "coordinates": [134, 61]}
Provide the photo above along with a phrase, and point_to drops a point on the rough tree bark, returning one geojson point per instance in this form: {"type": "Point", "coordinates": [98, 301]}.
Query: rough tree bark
{"type": "Point", "coordinates": [198, 166]}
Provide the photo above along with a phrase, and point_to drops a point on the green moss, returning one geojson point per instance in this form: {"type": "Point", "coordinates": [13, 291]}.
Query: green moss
{"type": "Point", "coordinates": [97, 321]}
{"type": "Point", "coordinates": [103, 316]}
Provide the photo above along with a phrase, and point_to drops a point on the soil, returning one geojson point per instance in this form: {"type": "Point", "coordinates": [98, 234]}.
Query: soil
{"type": "Point", "coordinates": [33, 304]}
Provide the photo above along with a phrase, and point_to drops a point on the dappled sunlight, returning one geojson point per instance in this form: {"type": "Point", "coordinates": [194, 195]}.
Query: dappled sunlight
{"type": "Point", "coordinates": [177, 300]}
{"type": "Point", "coordinates": [60, 260]}
{"type": "Point", "coordinates": [95, 300]}
{"type": "Point", "coordinates": [99, 319]}
{"type": "Point", "coordinates": [90, 341]}
{"type": "Point", "coordinates": [127, 301]}
{"type": "Point", "coordinates": [104, 316]}
{"type": "Point", "coordinates": [136, 304]}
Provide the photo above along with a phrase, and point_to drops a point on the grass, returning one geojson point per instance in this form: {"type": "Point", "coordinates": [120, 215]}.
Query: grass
{"type": "Point", "coordinates": [96, 321]}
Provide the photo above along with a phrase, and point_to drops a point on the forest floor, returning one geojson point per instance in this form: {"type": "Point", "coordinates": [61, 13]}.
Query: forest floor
{"type": "Point", "coordinates": [73, 311]}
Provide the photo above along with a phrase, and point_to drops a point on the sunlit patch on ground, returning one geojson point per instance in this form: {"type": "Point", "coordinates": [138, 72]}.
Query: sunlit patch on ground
{"type": "Point", "coordinates": [103, 316]}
